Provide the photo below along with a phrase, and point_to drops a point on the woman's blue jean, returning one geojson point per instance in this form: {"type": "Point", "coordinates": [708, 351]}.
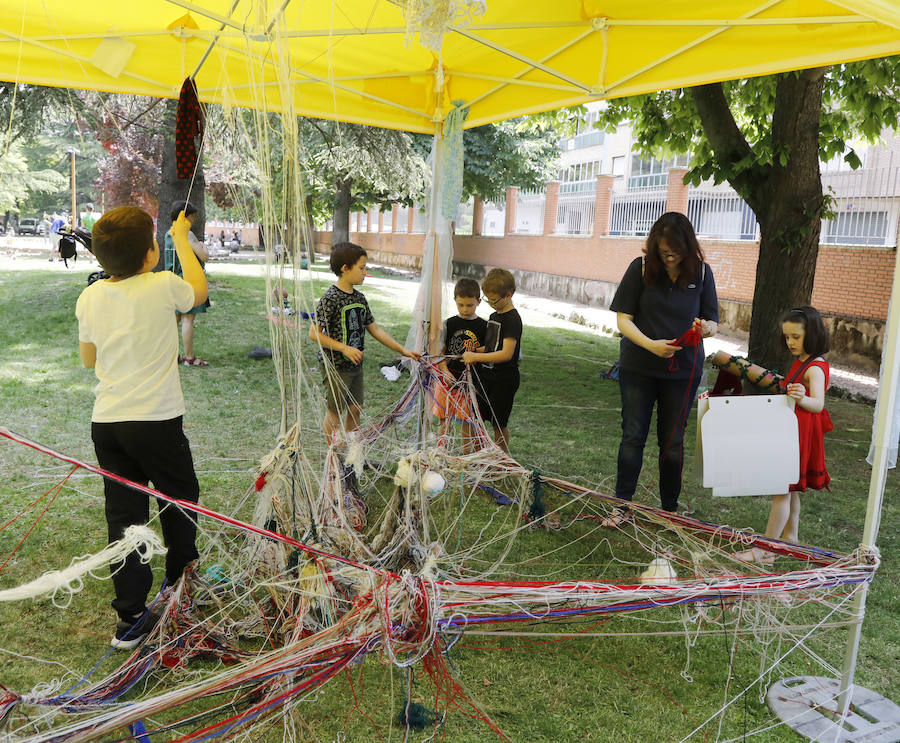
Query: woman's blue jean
{"type": "Point", "coordinates": [673, 399]}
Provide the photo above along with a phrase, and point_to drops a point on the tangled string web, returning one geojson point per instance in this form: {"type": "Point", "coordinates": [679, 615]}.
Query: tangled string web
{"type": "Point", "coordinates": [399, 541]}
{"type": "Point", "coordinates": [432, 19]}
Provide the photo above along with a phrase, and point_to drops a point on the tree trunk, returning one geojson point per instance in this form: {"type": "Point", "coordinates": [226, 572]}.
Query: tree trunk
{"type": "Point", "coordinates": [789, 209]}
{"type": "Point", "coordinates": [172, 188]}
{"type": "Point", "coordinates": [785, 195]}
{"type": "Point", "coordinates": [340, 231]}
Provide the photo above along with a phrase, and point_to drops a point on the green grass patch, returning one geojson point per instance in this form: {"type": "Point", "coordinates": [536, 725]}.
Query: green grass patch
{"type": "Point", "coordinates": [610, 684]}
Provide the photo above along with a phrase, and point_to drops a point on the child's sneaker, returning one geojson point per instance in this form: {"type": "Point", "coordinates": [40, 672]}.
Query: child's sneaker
{"type": "Point", "coordinates": [130, 634]}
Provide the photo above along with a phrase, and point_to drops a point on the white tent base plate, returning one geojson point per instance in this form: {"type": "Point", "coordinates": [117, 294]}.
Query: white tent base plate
{"type": "Point", "coordinates": [808, 704]}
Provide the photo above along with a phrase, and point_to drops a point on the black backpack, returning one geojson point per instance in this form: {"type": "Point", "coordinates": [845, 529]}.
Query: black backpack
{"type": "Point", "coordinates": [67, 249]}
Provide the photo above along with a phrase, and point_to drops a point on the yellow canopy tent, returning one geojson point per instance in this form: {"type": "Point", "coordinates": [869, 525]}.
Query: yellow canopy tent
{"type": "Point", "coordinates": [364, 61]}
{"type": "Point", "coordinates": [358, 60]}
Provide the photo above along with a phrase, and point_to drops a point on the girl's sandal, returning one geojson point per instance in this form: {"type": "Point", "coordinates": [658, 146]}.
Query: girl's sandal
{"type": "Point", "coordinates": [194, 361]}
{"type": "Point", "coordinates": [618, 517]}
{"type": "Point", "coordinates": [180, 359]}
{"type": "Point", "coordinates": [755, 554]}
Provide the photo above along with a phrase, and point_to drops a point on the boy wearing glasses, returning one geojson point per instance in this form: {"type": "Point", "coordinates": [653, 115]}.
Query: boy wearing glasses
{"type": "Point", "coordinates": [499, 373]}
{"type": "Point", "coordinates": [463, 332]}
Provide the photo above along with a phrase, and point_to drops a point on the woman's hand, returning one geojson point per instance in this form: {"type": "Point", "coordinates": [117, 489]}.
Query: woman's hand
{"type": "Point", "coordinates": [663, 348]}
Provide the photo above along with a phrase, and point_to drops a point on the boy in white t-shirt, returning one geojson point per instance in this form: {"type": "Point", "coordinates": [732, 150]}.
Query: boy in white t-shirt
{"type": "Point", "coordinates": [128, 335]}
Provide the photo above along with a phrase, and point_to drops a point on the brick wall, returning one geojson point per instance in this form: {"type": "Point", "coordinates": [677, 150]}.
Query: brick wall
{"type": "Point", "coordinates": [850, 282]}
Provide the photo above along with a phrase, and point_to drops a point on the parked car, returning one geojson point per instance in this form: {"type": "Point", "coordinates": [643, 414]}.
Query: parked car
{"type": "Point", "coordinates": [29, 226]}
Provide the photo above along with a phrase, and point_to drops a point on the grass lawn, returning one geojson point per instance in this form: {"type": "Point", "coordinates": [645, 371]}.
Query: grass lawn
{"type": "Point", "coordinates": [612, 683]}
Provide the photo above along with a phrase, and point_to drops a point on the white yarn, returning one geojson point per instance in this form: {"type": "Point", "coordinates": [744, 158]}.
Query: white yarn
{"type": "Point", "coordinates": [659, 573]}
{"type": "Point", "coordinates": [432, 483]}
{"type": "Point", "coordinates": [356, 455]}
{"type": "Point", "coordinates": [403, 473]}
{"type": "Point", "coordinates": [137, 538]}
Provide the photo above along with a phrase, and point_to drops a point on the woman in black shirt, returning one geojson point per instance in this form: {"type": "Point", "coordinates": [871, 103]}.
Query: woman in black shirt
{"type": "Point", "coordinates": [664, 295]}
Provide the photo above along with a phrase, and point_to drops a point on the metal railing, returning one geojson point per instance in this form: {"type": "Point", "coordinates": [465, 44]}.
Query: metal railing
{"type": "Point", "coordinates": [530, 213]}
{"type": "Point", "coordinates": [493, 219]}
{"type": "Point", "coordinates": [403, 219]}
{"type": "Point", "coordinates": [719, 213]}
{"type": "Point", "coordinates": [575, 214]}
{"type": "Point", "coordinates": [632, 213]}
{"type": "Point", "coordinates": [866, 204]}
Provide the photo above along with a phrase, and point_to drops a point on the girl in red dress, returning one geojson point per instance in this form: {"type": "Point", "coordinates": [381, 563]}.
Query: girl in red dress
{"type": "Point", "coordinates": [804, 335]}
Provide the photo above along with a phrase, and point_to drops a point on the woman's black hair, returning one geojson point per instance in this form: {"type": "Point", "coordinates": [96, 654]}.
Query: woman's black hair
{"type": "Point", "coordinates": [678, 232]}
{"type": "Point", "coordinates": [815, 342]}
{"type": "Point", "coordinates": [182, 206]}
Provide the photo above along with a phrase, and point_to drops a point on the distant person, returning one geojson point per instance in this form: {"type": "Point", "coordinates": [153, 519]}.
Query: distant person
{"type": "Point", "coordinates": [499, 371]}
{"type": "Point", "coordinates": [462, 332]}
{"type": "Point", "coordinates": [127, 336]}
{"type": "Point", "coordinates": [667, 295]}
{"type": "Point", "coordinates": [56, 226]}
{"type": "Point", "coordinates": [222, 239]}
{"type": "Point", "coordinates": [89, 218]}
{"type": "Point", "coordinates": [342, 319]}
{"type": "Point", "coordinates": [172, 263]}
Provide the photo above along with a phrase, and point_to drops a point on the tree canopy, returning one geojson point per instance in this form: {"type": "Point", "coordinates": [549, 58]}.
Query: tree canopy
{"type": "Point", "coordinates": [766, 137]}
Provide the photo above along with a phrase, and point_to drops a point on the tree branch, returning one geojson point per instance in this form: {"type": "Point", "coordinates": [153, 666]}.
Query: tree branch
{"type": "Point", "coordinates": [724, 135]}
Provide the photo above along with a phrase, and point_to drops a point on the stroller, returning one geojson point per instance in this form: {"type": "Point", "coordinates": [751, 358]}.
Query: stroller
{"type": "Point", "coordinates": [67, 238]}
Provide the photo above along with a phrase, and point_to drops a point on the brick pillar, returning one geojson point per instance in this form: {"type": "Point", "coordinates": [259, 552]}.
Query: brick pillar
{"type": "Point", "coordinates": [512, 201]}
{"type": "Point", "coordinates": [477, 215]}
{"type": "Point", "coordinates": [677, 196]}
{"type": "Point", "coordinates": [411, 218]}
{"type": "Point", "coordinates": [368, 220]}
{"type": "Point", "coordinates": [395, 216]}
{"type": "Point", "coordinates": [551, 201]}
{"type": "Point", "coordinates": [380, 220]}
{"type": "Point", "coordinates": [358, 220]}
{"type": "Point", "coordinates": [603, 204]}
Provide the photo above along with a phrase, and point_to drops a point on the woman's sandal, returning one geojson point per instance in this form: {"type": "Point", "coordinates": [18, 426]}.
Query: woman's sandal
{"type": "Point", "coordinates": [755, 554]}
{"type": "Point", "coordinates": [617, 517]}
{"type": "Point", "coordinates": [194, 361]}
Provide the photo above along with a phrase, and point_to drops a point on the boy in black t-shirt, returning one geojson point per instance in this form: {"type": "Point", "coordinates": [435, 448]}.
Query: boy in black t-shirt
{"type": "Point", "coordinates": [499, 377]}
{"type": "Point", "coordinates": [462, 332]}
{"type": "Point", "coordinates": [342, 319]}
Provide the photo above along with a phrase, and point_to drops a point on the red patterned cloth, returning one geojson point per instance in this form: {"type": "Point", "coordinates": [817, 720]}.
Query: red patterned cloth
{"type": "Point", "coordinates": [813, 427]}
{"type": "Point", "coordinates": [188, 126]}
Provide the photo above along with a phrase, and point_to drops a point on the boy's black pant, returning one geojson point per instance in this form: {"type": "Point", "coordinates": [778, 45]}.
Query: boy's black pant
{"type": "Point", "coordinates": [147, 451]}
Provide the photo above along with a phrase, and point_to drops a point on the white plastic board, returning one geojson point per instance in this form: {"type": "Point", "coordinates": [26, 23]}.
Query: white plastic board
{"type": "Point", "coordinates": [748, 445]}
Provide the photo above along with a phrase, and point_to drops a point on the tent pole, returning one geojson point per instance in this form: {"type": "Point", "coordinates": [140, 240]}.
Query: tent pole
{"type": "Point", "coordinates": [887, 391]}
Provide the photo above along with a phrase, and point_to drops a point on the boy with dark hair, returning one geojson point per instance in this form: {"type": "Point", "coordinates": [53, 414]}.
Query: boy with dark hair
{"type": "Point", "coordinates": [499, 375]}
{"type": "Point", "coordinates": [127, 336]}
{"type": "Point", "coordinates": [462, 332]}
{"type": "Point", "coordinates": [342, 317]}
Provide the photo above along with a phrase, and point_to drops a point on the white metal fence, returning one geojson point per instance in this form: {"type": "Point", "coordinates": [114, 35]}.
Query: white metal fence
{"type": "Point", "coordinates": [575, 213]}
{"type": "Point", "coordinates": [721, 214]}
{"type": "Point", "coordinates": [632, 213]}
{"type": "Point", "coordinates": [420, 219]}
{"type": "Point", "coordinates": [493, 219]}
{"type": "Point", "coordinates": [403, 219]}
{"type": "Point", "coordinates": [530, 213]}
{"type": "Point", "coordinates": [464, 217]}
{"type": "Point", "coordinates": [866, 204]}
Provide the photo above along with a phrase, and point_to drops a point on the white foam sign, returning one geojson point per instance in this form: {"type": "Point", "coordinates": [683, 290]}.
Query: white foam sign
{"type": "Point", "coordinates": [747, 445]}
